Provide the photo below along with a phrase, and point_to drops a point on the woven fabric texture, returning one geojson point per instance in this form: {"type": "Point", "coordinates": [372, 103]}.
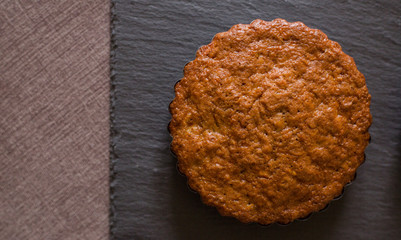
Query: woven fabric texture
{"type": "Point", "coordinates": [54, 121]}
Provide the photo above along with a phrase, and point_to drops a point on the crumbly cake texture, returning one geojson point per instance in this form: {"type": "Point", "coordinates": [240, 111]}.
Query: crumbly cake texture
{"type": "Point", "coordinates": [270, 121]}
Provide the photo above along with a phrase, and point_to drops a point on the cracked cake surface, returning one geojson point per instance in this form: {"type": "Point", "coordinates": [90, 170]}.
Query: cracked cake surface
{"type": "Point", "coordinates": [270, 121]}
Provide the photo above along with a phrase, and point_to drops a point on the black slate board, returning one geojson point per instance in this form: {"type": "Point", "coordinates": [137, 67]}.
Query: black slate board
{"type": "Point", "coordinates": [153, 40]}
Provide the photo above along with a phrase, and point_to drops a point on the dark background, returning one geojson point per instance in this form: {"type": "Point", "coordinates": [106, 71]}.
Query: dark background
{"type": "Point", "coordinates": [155, 39]}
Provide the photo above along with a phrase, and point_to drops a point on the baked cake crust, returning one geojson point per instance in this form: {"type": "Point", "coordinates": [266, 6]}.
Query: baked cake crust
{"type": "Point", "coordinates": [270, 121]}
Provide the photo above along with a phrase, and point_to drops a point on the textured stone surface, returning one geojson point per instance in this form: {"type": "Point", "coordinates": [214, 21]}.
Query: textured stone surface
{"type": "Point", "coordinates": [156, 39]}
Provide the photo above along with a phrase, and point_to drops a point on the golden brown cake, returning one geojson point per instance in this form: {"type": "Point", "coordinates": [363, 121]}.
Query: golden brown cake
{"type": "Point", "coordinates": [270, 121]}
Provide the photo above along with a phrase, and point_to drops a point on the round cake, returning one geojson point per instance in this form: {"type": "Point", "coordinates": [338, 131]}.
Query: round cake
{"type": "Point", "coordinates": [270, 121]}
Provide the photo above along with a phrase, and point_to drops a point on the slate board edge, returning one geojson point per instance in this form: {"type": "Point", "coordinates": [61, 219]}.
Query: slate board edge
{"type": "Point", "coordinates": [375, 153]}
{"type": "Point", "coordinates": [113, 131]}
